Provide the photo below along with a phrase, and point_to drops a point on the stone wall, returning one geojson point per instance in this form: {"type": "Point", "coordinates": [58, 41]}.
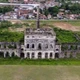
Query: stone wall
{"type": "Point", "coordinates": [69, 50]}
{"type": "Point", "coordinates": [9, 49]}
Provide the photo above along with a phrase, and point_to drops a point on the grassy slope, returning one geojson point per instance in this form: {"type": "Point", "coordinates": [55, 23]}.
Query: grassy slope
{"type": "Point", "coordinates": [14, 61]}
{"type": "Point", "coordinates": [39, 72]}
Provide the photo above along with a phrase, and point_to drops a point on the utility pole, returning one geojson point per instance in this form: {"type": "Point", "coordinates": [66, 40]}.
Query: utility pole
{"type": "Point", "coordinates": [37, 23]}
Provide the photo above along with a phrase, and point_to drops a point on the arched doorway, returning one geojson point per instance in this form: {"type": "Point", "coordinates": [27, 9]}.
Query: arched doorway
{"type": "Point", "coordinates": [39, 46]}
{"type": "Point", "coordinates": [7, 54]}
{"type": "Point", "coordinates": [51, 55]}
{"type": "Point", "coordinates": [13, 54]}
{"type": "Point", "coordinates": [39, 55]}
{"type": "Point", "coordinates": [28, 55]}
{"type": "Point", "coordinates": [22, 55]}
{"type": "Point", "coordinates": [32, 55]}
{"type": "Point", "coordinates": [1, 54]}
{"type": "Point", "coordinates": [56, 55]}
{"type": "Point", "coordinates": [46, 55]}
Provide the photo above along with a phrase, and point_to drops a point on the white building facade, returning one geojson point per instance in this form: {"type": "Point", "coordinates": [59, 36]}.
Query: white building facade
{"type": "Point", "coordinates": [39, 43]}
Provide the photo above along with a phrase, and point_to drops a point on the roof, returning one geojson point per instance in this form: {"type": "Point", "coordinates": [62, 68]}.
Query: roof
{"type": "Point", "coordinates": [40, 31]}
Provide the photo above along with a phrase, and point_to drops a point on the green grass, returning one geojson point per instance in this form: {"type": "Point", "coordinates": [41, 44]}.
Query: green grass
{"type": "Point", "coordinates": [74, 23]}
{"type": "Point", "coordinates": [18, 72]}
{"type": "Point", "coordinates": [17, 61]}
{"type": "Point", "coordinates": [65, 36]}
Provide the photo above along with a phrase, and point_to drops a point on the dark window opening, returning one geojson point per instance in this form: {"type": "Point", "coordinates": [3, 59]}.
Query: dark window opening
{"type": "Point", "coordinates": [1, 54]}
{"type": "Point", "coordinates": [32, 55]}
{"type": "Point", "coordinates": [28, 55]}
{"type": "Point", "coordinates": [39, 47]}
{"type": "Point", "coordinates": [7, 54]}
{"type": "Point", "coordinates": [57, 49]}
{"type": "Point", "coordinates": [32, 45]}
{"type": "Point", "coordinates": [39, 55]}
{"type": "Point", "coordinates": [13, 54]}
{"type": "Point", "coordinates": [27, 45]}
{"type": "Point", "coordinates": [56, 55]}
{"type": "Point", "coordinates": [51, 55]}
{"type": "Point", "coordinates": [22, 55]}
{"type": "Point", "coordinates": [46, 55]}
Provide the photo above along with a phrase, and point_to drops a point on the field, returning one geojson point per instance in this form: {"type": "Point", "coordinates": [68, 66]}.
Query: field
{"type": "Point", "coordinates": [33, 72]}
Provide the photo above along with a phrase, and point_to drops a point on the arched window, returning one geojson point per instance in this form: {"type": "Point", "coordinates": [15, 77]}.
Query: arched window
{"type": "Point", "coordinates": [32, 55]}
{"type": "Point", "coordinates": [57, 49]}
{"type": "Point", "coordinates": [39, 55]}
{"type": "Point", "coordinates": [13, 54]}
{"type": "Point", "coordinates": [22, 55]}
{"type": "Point", "coordinates": [46, 55]}
{"type": "Point", "coordinates": [7, 54]}
{"type": "Point", "coordinates": [39, 47]}
{"type": "Point", "coordinates": [28, 55]}
{"type": "Point", "coordinates": [27, 45]}
{"type": "Point", "coordinates": [1, 54]}
{"type": "Point", "coordinates": [56, 55]}
{"type": "Point", "coordinates": [32, 45]}
{"type": "Point", "coordinates": [51, 55]}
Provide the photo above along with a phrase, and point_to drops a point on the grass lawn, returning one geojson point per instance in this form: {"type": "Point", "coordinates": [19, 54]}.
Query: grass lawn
{"type": "Point", "coordinates": [32, 72]}
{"type": "Point", "coordinates": [17, 61]}
{"type": "Point", "coordinates": [75, 23]}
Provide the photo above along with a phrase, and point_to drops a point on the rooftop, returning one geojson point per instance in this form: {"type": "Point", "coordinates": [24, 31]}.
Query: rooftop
{"type": "Point", "coordinates": [40, 31]}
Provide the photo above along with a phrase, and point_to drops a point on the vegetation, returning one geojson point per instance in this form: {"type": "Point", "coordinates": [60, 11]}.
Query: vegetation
{"type": "Point", "coordinates": [11, 36]}
{"type": "Point", "coordinates": [3, 0]}
{"type": "Point", "coordinates": [5, 9]}
{"type": "Point", "coordinates": [51, 10]}
{"type": "Point", "coordinates": [19, 61]}
{"type": "Point", "coordinates": [65, 36]}
{"type": "Point", "coordinates": [62, 35]}
{"type": "Point", "coordinates": [5, 24]}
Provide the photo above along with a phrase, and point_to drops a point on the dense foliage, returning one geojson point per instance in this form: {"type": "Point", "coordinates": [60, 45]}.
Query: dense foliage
{"type": "Point", "coordinates": [51, 10]}
{"type": "Point", "coordinates": [5, 9]}
{"type": "Point", "coordinates": [64, 35]}
{"type": "Point", "coordinates": [5, 24]}
{"type": "Point", "coordinates": [11, 36]}
{"type": "Point", "coordinates": [3, 0]}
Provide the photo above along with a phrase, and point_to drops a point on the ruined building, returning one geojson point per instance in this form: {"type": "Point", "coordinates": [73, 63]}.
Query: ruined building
{"type": "Point", "coordinates": [39, 43]}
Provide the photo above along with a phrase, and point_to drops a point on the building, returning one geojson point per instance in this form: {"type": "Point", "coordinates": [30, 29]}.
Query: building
{"type": "Point", "coordinates": [39, 43]}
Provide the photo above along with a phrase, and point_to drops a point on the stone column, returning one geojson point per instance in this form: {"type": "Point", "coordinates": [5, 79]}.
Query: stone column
{"type": "Point", "coordinates": [53, 55]}
{"type": "Point", "coordinates": [6, 46]}
{"type": "Point", "coordinates": [2, 46]}
{"type": "Point", "coordinates": [30, 55]}
{"type": "Point", "coordinates": [43, 55]}
{"type": "Point", "coordinates": [4, 54]}
{"type": "Point", "coordinates": [48, 55]}
{"type": "Point", "coordinates": [36, 55]}
{"type": "Point", "coordinates": [25, 55]}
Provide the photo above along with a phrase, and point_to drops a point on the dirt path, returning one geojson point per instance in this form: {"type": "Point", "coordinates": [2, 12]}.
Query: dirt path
{"type": "Point", "coordinates": [66, 26]}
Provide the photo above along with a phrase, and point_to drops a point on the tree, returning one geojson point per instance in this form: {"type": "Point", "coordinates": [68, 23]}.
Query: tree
{"type": "Point", "coordinates": [46, 12]}
{"type": "Point", "coordinates": [5, 9]}
{"type": "Point", "coordinates": [53, 10]}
